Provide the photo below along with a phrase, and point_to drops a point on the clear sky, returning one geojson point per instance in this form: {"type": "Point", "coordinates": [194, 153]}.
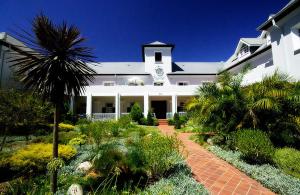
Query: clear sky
{"type": "Point", "coordinates": [201, 30]}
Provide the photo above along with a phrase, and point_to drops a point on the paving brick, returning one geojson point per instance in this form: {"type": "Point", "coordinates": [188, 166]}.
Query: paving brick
{"type": "Point", "coordinates": [218, 176]}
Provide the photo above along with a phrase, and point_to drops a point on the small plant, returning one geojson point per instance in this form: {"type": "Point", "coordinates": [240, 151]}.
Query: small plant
{"type": "Point", "coordinates": [171, 121]}
{"type": "Point", "coordinates": [136, 113]}
{"type": "Point", "coordinates": [66, 127]}
{"type": "Point", "coordinates": [288, 159]}
{"type": "Point", "coordinates": [255, 145]}
{"type": "Point", "coordinates": [80, 140]}
{"type": "Point", "coordinates": [150, 120]}
{"type": "Point", "coordinates": [36, 156]}
{"type": "Point", "coordinates": [177, 121]}
{"type": "Point", "coordinates": [125, 121]}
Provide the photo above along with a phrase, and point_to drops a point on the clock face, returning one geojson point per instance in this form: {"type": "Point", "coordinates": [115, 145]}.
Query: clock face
{"type": "Point", "coordinates": [159, 71]}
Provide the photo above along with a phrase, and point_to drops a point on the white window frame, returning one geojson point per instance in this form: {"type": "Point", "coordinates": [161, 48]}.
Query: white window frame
{"type": "Point", "coordinates": [110, 83]}
{"type": "Point", "coordinates": [186, 83]}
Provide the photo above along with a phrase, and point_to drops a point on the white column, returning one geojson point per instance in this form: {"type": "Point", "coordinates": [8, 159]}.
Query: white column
{"type": "Point", "coordinates": [174, 104]}
{"type": "Point", "coordinates": [89, 105]}
{"type": "Point", "coordinates": [117, 106]}
{"type": "Point", "coordinates": [146, 104]}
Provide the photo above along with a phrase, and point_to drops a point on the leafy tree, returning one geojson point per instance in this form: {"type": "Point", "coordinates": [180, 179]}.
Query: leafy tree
{"type": "Point", "coordinates": [177, 121]}
{"type": "Point", "coordinates": [54, 68]}
{"type": "Point", "coordinates": [20, 109]}
{"type": "Point", "coordinates": [219, 106]}
{"type": "Point", "coordinates": [272, 105]}
{"type": "Point", "coordinates": [136, 113]}
{"type": "Point", "coordinates": [150, 120]}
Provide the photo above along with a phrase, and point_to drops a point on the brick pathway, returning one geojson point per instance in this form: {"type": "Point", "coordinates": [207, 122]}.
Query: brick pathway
{"type": "Point", "coordinates": [218, 176]}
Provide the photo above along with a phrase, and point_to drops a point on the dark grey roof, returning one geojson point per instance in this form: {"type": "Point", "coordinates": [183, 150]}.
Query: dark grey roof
{"type": "Point", "coordinates": [119, 67]}
{"type": "Point", "coordinates": [291, 6]}
{"type": "Point", "coordinates": [180, 68]}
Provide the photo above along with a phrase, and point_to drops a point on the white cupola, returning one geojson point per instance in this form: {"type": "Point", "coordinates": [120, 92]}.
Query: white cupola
{"type": "Point", "coordinates": [158, 58]}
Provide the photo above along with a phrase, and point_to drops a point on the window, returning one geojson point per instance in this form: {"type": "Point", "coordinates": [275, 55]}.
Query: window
{"type": "Point", "coordinates": [158, 84]}
{"type": "Point", "coordinates": [182, 83]}
{"type": "Point", "coordinates": [158, 56]}
{"type": "Point", "coordinates": [108, 83]}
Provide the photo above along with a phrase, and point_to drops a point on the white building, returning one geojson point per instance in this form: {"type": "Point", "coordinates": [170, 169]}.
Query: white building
{"type": "Point", "coordinates": [165, 86]}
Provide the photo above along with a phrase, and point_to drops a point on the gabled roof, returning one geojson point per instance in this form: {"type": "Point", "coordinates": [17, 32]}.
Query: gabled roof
{"type": "Point", "coordinates": [156, 43]}
{"type": "Point", "coordinates": [250, 42]}
{"type": "Point", "coordinates": [291, 6]}
{"type": "Point", "coordinates": [253, 41]}
{"type": "Point", "coordinates": [121, 68]}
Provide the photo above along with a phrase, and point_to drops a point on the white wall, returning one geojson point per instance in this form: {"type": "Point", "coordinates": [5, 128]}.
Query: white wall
{"type": "Point", "coordinates": [283, 41]}
{"type": "Point", "coordinates": [260, 66]}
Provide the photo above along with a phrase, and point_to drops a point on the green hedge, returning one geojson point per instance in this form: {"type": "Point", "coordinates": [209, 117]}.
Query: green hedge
{"type": "Point", "coordinates": [288, 159]}
{"type": "Point", "coordinates": [254, 145]}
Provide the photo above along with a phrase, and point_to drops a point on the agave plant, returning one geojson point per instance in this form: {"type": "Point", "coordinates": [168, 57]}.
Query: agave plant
{"type": "Point", "coordinates": [54, 67]}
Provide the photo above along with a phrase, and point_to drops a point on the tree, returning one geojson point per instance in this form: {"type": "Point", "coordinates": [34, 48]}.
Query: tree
{"type": "Point", "coordinates": [56, 67]}
{"type": "Point", "coordinates": [136, 113]}
{"type": "Point", "coordinates": [150, 120]}
{"type": "Point", "coordinates": [177, 121]}
{"type": "Point", "coordinates": [219, 106]}
{"type": "Point", "coordinates": [21, 109]}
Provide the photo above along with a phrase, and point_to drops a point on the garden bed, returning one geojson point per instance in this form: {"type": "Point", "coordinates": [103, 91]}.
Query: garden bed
{"type": "Point", "coordinates": [266, 174]}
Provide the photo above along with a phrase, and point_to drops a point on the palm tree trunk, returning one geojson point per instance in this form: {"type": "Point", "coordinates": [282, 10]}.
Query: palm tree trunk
{"type": "Point", "coordinates": [55, 147]}
{"type": "Point", "coordinates": [4, 138]}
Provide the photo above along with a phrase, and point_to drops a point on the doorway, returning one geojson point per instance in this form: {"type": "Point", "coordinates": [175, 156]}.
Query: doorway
{"type": "Point", "coordinates": [159, 108]}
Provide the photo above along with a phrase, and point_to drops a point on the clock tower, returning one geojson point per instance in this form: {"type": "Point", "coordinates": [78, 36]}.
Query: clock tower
{"type": "Point", "coordinates": [158, 60]}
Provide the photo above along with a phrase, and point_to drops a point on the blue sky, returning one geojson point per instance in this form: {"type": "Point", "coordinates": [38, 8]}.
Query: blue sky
{"type": "Point", "coordinates": [116, 29]}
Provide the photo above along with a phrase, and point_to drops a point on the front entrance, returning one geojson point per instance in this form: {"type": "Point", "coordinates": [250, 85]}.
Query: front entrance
{"type": "Point", "coordinates": [159, 108]}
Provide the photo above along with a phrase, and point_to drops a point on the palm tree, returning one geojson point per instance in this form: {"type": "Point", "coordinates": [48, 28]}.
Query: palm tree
{"type": "Point", "coordinates": [219, 106]}
{"type": "Point", "coordinates": [54, 68]}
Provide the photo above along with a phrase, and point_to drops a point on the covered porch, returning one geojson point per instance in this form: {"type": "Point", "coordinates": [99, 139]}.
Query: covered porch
{"type": "Point", "coordinates": [115, 106]}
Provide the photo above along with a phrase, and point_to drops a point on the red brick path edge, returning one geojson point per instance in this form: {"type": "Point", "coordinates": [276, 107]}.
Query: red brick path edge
{"type": "Point", "coordinates": [218, 176]}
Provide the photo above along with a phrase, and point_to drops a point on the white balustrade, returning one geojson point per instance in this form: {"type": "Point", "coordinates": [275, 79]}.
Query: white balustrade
{"type": "Point", "coordinates": [103, 116]}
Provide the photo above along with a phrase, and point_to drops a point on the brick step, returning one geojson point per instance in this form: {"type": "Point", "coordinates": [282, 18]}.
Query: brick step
{"type": "Point", "coordinates": [163, 121]}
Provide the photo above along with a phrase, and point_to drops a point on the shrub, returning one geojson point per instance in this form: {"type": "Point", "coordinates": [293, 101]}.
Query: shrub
{"type": "Point", "coordinates": [150, 120]}
{"type": "Point", "coordinates": [125, 121]}
{"type": "Point", "coordinates": [80, 140]}
{"type": "Point", "coordinates": [155, 122]}
{"type": "Point", "coordinates": [255, 145]}
{"type": "Point", "coordinates": [66, 127]}
{"type": "Point", "coordinates": [99, 130]}
{"type": "Point", "coordinates": [177, 121]}
{"type": "Point", "coordinates": [288, 159]}
{"type": "Point", "coordinates": [178, 183]}
{"type": "Point", "coordinates": [171, 121]}
{"type": "Point", "coordinates": [36, 156]}
{"type": "Point", "coordinates": [218, 140]}
{"type": "Point", "coordinates": [160, 153]}
{"type": "Point", "coordinates": [269, 176]}
{"type": "Point", "coordinates": [83, 121]}
{"type": "Point", "coordinates": [136, 113]}
{"type": "Point", "coordinates": [143, 121]}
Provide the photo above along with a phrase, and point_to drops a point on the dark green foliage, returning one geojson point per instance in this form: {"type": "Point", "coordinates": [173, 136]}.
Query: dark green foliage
{"type": "Point", "coordinates": [150, 120]}
{"type": "Point", "coordinates": [218, 140]}
{"type": "Point", "coordinates": [255, 146]}
{"type": "Point", "coordinates": [83, 121]}
{"type": "Point", "coordinates": [136, 113]}
{"type": "Point", "coordinates": [171, 121]}
{"type": "Point", "coordinates": [143, 121]}
{"type": "Point", "coordinates": [272, 105]}
{"type": "Point", "coordinates": [125, 121]}
{"type": "Point", "coordinates": [288, 159]}
{"type": "Point", "coordinates": [177, 121]}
